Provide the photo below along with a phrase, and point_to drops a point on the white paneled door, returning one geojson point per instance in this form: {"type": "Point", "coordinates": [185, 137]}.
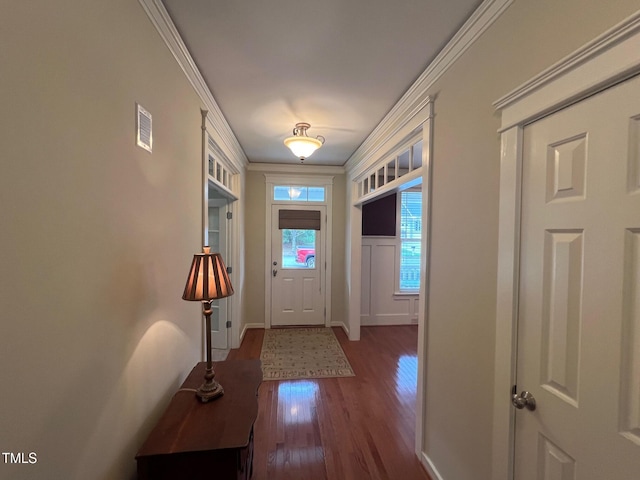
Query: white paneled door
{"type": "Point", "coordinates": [297, 270]}
{"type": "Point", "coordinates": [217, 239]}
{"type": "Point", "coordinates": [579, 297]}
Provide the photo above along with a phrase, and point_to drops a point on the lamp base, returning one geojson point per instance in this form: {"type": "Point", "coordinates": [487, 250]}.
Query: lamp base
{"type": "Point", "coordinates": [209, 391]}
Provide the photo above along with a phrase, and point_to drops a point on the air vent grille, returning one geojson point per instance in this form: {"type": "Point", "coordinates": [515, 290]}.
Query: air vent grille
{"type": "Point", "coordinates": [144, 136]}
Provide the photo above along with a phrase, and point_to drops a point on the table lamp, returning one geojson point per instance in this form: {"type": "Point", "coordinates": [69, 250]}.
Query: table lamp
{"type": "Point", "coordinates": [207, 281]}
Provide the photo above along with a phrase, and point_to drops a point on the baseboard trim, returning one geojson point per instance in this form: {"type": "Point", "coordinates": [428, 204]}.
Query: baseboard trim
{"type": "Point", "coordinates": [387, 321]}
{"type": "Point", "coordinates": [247, 326]}
{"type": "Point", "coordinates": [341, 325]}
{"type": "Point", "coordinates": [430, 467]}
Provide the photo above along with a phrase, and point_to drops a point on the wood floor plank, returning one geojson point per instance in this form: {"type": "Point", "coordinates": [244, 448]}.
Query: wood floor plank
{"type": "Point", "coordinates": [355, 428]}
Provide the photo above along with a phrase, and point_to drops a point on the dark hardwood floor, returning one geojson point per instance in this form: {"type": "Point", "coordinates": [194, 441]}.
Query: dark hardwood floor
{"type": "Point", "coordinates": [355, 428]}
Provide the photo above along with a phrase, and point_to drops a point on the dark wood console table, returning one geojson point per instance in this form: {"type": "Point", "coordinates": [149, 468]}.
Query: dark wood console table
{"type": "Point", "coordinates": [213, 440]}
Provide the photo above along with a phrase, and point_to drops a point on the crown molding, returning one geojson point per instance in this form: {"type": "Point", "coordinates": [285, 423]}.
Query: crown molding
{"type": "Point", "coordinates": [222, 133]}
{"type": "Point", "coordinates": [611, 57]}
{"type": "Point", "coordinates": [405, 111]}
{"type": "Point", "coordinates": [297, 169]}
{"type": "Point", "coordinates": [416, 97]}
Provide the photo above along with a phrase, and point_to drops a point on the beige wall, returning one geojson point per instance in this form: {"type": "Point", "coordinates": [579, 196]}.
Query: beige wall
{"type": "Point", "coordinates": [255, 226]}
{"type": "Point", "coordinates": [529, 37]}
{"type": "Point", "coordinates": [97, 236]}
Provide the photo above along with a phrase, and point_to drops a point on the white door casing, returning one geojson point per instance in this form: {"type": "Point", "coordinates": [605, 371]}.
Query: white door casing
{"type": "Point", "coordinates": [218, 242]}
{"type": "Point", "coordinates": [313, 177]}
{"type": "Point", "coordinates": [297, 288]}
{"type": "Point", "coordinates": [607, 60]}
{"type": "Point", "coordinates": [580, 230]}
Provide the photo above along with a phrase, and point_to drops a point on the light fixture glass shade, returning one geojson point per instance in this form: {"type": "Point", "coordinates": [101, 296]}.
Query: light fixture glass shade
{"type": "Point", "coordinates": [300, 144]}
{"type": "Point", "coordinates": [208, 278]}
{"type": "Point", "coordinates": [302, 147]}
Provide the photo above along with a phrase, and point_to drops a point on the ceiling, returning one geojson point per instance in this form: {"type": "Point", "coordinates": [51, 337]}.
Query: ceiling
{"type": "Point", "coordinates": [339, 65]}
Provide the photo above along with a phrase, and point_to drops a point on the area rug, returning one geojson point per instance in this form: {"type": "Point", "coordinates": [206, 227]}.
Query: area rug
{"type": "Point", "coordinates": [293, 353]}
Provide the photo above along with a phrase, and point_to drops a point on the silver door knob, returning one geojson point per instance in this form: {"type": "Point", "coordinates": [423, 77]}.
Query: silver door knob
{"type": "Point", "coordinates": [524, 400]}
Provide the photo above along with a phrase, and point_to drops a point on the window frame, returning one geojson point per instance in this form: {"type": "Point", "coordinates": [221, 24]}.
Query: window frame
{"type": "Point", "coordinates": [297, 199]}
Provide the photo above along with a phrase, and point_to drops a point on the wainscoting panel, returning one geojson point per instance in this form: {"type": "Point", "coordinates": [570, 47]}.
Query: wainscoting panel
{"type": "Point", "coordinates": [380, 302]}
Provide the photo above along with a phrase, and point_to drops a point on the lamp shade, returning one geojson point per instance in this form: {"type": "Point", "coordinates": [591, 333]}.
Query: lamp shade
{"type": "Point", "coordinates": [208, 278]}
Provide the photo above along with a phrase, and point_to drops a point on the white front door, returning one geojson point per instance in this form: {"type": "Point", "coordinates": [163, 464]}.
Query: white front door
{"type": "Point", "coordinates": [297, 271]}
{"type": "Point", "coordinates": [579, 297]}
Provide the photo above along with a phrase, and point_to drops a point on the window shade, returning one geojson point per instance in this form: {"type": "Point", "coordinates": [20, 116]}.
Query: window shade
{"type": "Point", "coordinates": [299, 219]}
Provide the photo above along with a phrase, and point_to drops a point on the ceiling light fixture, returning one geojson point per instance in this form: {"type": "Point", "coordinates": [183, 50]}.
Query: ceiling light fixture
{"type": "Point", "coordinates": [300, 144]}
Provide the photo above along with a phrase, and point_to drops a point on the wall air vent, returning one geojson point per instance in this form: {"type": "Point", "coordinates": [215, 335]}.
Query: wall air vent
{"type": "Point", "coordinates": [144, 137]}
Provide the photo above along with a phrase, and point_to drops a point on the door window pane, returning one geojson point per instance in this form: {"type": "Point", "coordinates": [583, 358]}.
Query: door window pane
{"type": "Point", "coordinates": [298, 248]}
{"type": "Point", "coordinates": [280, 192]}
{"type": "Point", "coordinates": [417, 155]}
{"type": "Point", "coordinates": [404, 161]}
{"type": "Point", "coordinates": [381, 178]}
{"type": "Point", "coordinates": [297, 193]}
{"type": "Point", "coordinates": [214, 228]}
{"type": "Point", "coordinates": [316, 194]}
{"type": "Point", "coordinates": [391, 171]}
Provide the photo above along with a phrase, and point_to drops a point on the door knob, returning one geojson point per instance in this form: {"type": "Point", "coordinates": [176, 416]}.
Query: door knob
{"type": "Point", "coordinates": [275, 272]}
{"type": "Point", "coordinates": [524, 400]}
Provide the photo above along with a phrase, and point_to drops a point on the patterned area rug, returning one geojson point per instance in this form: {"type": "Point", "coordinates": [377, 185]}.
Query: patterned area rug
{"type": "Point", "coordinates": [292, 353]}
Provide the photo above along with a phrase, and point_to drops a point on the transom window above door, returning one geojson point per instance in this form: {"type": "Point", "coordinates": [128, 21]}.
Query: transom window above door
{"type": "Point", "coordinates": [295, 193]}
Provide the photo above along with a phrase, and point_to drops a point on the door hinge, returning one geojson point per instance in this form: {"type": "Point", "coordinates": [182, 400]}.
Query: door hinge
{"type": "Point", "coordinates": [228, 323]}
{"type": "Point", "coordinates": [325, 312]}
{"type": "Point", "coordinates": [229, 215]}
{"type": "Point", "coordinates": [229, 270]}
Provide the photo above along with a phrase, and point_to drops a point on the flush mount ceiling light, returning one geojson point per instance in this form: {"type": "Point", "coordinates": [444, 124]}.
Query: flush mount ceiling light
{"type": "Point", "coordinates": [300, 144]}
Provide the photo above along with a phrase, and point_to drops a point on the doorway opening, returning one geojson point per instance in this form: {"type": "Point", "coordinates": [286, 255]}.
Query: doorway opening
{"type": "Point", "coordinates": [218, 231]}
{"type": "Point", "coordinates": [298, 250]}
{"type": "Point", "coordinates": [391, 254]}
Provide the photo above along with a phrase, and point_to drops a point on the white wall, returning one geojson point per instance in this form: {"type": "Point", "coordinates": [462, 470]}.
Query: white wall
{"type": "Point", "coordinates": [97, 236]}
